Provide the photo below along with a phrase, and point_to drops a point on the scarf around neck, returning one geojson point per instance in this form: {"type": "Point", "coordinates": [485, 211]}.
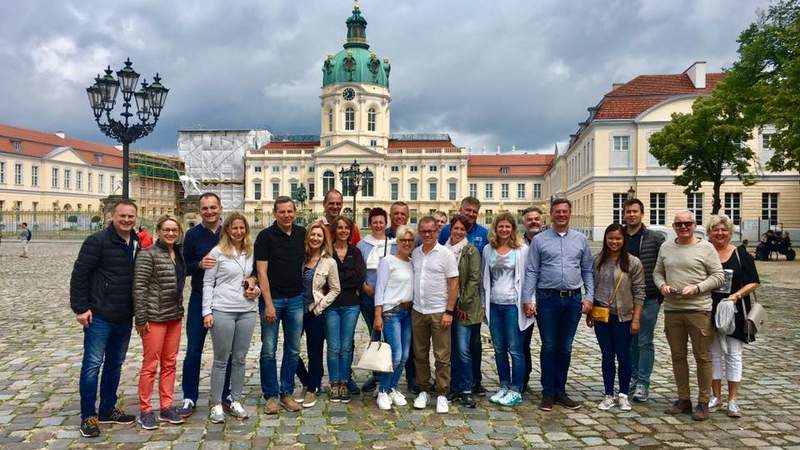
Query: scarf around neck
{"type": "Point", "coordinates": [456, 249]}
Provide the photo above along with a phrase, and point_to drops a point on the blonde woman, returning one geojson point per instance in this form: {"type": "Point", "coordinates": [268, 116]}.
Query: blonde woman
{"type": "Point", "coordinates": [320, 288]}
{"type": "Point", "coordinates": [230, 310]}
{"type": "Point", "coordinates": [503, 274]}
{"type": "Point", "coordinates": [158, 282]}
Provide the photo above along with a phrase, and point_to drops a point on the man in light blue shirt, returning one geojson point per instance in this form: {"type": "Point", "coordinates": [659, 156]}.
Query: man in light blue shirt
{"type": "Point", "coordinates": [559, 265]}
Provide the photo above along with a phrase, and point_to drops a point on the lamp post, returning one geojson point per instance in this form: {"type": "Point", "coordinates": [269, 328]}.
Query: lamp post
{"type": "Point", "coordinates": [149, 99]}
{"type": "Point", "coordinates": [631, 193]}
{"type": "Point", "coordinates": [351, 180]}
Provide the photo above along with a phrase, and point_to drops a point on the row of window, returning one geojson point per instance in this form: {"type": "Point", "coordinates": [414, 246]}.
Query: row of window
{"type": "Point", "coordinates": [56, 179]}
{"type": "Point", "coordinates": [431, 168]}
{"type": "Point", "coordinates": [277, 169]}
{"type": "Point", "coordinates": [732, 207]}
{"type": "Point", "coordinates": [488, 191]}
{"type": "Point", "coordinates": [350, 119]}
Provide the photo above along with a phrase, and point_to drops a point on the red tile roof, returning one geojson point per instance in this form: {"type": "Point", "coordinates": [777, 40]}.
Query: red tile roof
{"type": "Point", "coordinates": [290, 145]}
{"type": "Point", "coordinates": [534, 165]}
{"type": "Point", "coordinates": [397, 143]}
{"type": "Point", "coordinates": [645, 91]}
{"type": "Point", "coordinates": [39, 143]}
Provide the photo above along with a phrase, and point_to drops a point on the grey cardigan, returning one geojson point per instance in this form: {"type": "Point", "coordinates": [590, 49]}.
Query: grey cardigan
{"type": "Point", "coordinates": [631, 288]}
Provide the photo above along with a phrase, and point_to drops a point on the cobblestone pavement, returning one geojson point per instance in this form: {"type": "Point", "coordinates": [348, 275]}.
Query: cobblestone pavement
{"type": "Point", "coordinates": [40, 351]}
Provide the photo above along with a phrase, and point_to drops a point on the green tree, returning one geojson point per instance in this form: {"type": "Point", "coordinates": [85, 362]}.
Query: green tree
{"type": "Point", "coordinates": [766, 79]}
{"type": "Point", "coordinates": [704, 145]}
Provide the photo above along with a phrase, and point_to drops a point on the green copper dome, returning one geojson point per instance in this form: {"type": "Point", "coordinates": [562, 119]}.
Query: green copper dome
{"type": "Point", "coordinates": [355, 63]}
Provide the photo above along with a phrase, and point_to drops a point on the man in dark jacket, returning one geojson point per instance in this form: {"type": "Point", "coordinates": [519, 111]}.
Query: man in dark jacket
{"type": "Point", "coordinates": [100, 294]}
{"type": "Point", "coordinates": [643, 244]}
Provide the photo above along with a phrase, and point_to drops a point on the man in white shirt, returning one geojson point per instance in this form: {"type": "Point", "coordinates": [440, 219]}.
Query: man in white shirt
{"type": "Point", "coordinates": [435, 293]}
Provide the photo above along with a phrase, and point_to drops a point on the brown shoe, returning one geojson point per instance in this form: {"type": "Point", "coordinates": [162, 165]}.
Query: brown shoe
{"type": "Point", "coordinates": [344, 393]}
{"type": "Point", "coordinates": [289, 404]}
{"type": "Point", "coordinates": [547, 404]}
{"type": "Point", "coordinates": [680, 407]}
{"type": "Point", "coordinates": [272, 407]}
{"type": "Point", "coordinates": [700, 412]}
{"type": "Point", "coordinates": [310, 399]}
{"type": "Point", "coordinates": [333, 393]}
{"type": "Point", "coordinates": [566, 402]}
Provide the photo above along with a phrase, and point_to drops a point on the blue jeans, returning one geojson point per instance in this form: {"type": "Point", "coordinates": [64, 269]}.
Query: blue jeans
{"type": "Point", "coordinates": [507, 340]}
{"type": "Point", "coordinates": [104, 344]}
{"type": "Point", "coordinates": [368, 313]}
{"type": "Point", "coordinates": [397, 332]}
{"type": "Point", "coordinates": [290, 312]}
{"type": "Point", "coordinates": [558, 319]}
{"type": "Point", "coordinates": [314, 328]}
{"type": "Point", "coordinates": [340, 328]}
{"type": "Point", "coordinates": [477, 353]}
{"type": "Point", "coordinates": [643, 353]}
{"type": "Point", "coordinates": [195, 341]}
{"type": "Point", "coordinates": [614, 338]}
{"type": "Point", "coordinates": [461, 361]}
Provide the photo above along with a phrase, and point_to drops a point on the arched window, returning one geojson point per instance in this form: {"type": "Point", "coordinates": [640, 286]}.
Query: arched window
{"type": "Point", "coordinates": [368, 184]}
{"type": "Point", "coordinates": [349, 119]}
{"type": "Point", "coordinates": [371, 119]}
{"type": "Point", "coordinates": [328, 181]}
{"type": "Point", "coordinates": [330, 119]}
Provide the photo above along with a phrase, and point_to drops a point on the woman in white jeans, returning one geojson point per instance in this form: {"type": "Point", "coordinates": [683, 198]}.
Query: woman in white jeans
{"type": "Point", "coordinates": [741, 278]}
{"type": "Point", "coordinates": [230, 310]}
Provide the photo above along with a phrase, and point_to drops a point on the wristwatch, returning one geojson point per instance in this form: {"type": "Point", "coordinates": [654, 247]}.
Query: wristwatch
{"type": "Point", "coordinates": [449, 312]}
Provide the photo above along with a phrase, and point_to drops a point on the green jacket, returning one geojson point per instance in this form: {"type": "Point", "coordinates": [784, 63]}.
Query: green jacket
{"type": "Point", "coordinates": [469, 285]}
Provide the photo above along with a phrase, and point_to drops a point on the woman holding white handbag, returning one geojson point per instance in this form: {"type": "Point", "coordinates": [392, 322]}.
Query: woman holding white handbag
{"type": "Point", "coordinates": [394, 293]}
{"type": "Point", "coordinates": [741, 278]}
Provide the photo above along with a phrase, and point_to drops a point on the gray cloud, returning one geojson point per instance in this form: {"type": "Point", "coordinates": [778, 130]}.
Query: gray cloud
{"type": "Point", "coordinates": [510, 72]}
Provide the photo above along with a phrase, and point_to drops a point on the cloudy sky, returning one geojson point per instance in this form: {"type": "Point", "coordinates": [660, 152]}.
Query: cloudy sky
{"type": "Point", "coordinates": [504, 72]}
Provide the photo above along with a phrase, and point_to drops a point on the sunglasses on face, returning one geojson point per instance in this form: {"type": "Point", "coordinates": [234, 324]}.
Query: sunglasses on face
{"type": "Point", "coordinates": [683, 224]}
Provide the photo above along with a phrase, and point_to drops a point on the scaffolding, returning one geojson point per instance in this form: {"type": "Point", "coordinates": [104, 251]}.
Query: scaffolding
{"type": "Point", "coordinates": [214, 161]}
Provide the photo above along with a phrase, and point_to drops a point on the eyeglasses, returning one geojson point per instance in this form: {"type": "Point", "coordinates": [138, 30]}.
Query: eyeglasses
{"type": "Point", "coordinates": [405, 241]}
{"type": "Point", "coordinates": [427, 231]}
{"type": "Point", "coordinates": [683, 224]}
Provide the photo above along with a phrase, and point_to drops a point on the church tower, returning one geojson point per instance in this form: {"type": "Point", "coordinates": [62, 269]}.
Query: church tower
{"type": "Point", "coordinates": [355, 92]}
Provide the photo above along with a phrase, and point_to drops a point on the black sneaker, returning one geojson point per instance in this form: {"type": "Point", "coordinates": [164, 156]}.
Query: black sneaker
{"type": "Point", "coordinates": [566, 402]}
{"type": "Point", "coordinates": [414, 389]}
{"type": "Point", "coordinates": [148, 421]}
{"type": "Point", "coordinates": [116, 416]}
{"type": "Point", "coordinates": [226, 404]}
{"type": "Point", "coordinates": [89, 427]}
{"type": "Point", "coordinates": [467, 401]}
{"type": "Point", "coordinates": [452, 396]}
{"type": "Point", "coordinates": [479, 390]}
{"type": "Point", "coordinates": [170, 415]}
{"type": "Point", "coordinates": [369, 385]}
{"type": "Point", "coordinates": [352, 388]}
{"type": "Point", "coordinates": [187, 409]}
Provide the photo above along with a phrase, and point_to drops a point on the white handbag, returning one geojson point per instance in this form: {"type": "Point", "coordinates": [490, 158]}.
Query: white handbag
{"type": "Point", "coordinates": [377, 357]}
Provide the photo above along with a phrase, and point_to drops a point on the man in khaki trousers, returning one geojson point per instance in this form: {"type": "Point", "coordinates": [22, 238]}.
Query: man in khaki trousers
{"type": "Point", "coordinates": [435, 293]}
{"type": "Point", "coordinates": [687, 270]}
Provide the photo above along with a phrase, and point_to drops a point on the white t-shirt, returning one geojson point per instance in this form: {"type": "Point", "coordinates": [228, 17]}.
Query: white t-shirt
{"type": "Point", "coordinates": [431, 272]}
{"type": "Point", "coordinates": [395, 283]}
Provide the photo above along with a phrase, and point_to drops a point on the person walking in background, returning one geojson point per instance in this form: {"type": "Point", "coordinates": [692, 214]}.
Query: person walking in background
{"type": "Point", "coordinates": [230, 296]}
{"type": "Point", "coordinates": [341, 316]}
{"type": "Point", "coordinates": [25, 236]}
{"type": "Point", "coordinates": [687, 270]}
{"type": "Point", "coordinates": [145, 238]}
{"type": "Point", "coordinates": [158, 282]}
{"type": "Point", "coordinates": [279, 254]}
{"type": "Point", "coordinates": [559, 265]}
{"type": "Point", "coordinates": [619, 292]}
{"type": "Point", "coordinates": [741, 279]}
{"type": "Point", "coordinates": [469, 312]}
{"type": "Point", "coordinates": [435, 294]}
{"type": "Point", "coordinates": [643, 244]}
{"type": "Point", "coordinates": [373, 247]}
{"type": "Point", "coordinates": [394, 293]}
{"type": "Point", "coordinates": [320, 288]}
{"type": "Point", "coordinates": [533, 220]}
{"type": "Point", "coordinates": [503, 274]}
{"type": "Point", "coordinates": [101, 296]}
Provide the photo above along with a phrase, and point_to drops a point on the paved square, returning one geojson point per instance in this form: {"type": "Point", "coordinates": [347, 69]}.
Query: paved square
{"type": "Point", "coordinates": [40, 351]}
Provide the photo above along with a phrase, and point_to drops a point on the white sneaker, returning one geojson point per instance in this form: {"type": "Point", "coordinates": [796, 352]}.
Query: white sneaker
{"type": "Point", "coordinates": [713, 404]}
{"type": "Point", "coordinates": [397, 398]}
{"type": "Point", "coordinates": [500, 394]}
{"type": "Point", "coordinates": [607, 403]}
{"type": "Point", "coordinates": [217, 414]}
{"type": "Point", "coordinates": [624, 402]}
{"type": "Point", "coordinates": [442, 405]}
{"type": "Point", "coordinates": [384, 402]}
{"type": "Point", "coordinates": [238, 411]}
{"type": "Point", "coordinates": [421, 401]}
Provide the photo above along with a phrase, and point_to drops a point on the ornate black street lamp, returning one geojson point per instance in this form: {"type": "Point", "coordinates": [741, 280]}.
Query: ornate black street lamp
{"type": "Point", "coordinates": [351, 182]}
{"type": "Point", "coordinates": [150, 100]}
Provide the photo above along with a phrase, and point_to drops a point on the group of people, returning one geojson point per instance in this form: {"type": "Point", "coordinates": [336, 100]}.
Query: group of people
{"type": "Point", "coordinates": [419, 289]}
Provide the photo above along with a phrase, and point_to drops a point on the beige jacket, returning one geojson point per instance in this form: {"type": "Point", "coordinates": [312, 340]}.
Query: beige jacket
{"type": "Point", "coordinates": [325, 285]}
{"type": "Point", "coordinates": [631, 287]}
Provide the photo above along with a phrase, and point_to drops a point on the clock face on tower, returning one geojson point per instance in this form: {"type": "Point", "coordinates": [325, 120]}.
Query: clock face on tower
{"type": "Point", "coordinates": [348, 94]}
